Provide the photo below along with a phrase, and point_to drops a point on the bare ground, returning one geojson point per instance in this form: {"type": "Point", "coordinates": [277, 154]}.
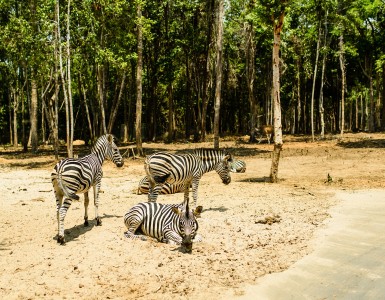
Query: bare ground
{"type": "Point", "coordinates": [250, 227]}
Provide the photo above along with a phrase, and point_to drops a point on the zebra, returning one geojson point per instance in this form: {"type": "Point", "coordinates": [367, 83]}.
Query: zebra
{"type": "Point", "coordinates": [167, 188]}
{"type": "Point", "coordinates": [237, 166]}
{"type": "Point", "coordinates": [174, 224]}
{"type": "Point", "coordinates": [186, 169]}
{"type": "Point", "coordinates": [72, 176]}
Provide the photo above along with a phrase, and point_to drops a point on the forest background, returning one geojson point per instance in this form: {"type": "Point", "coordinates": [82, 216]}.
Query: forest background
{"type": "Point", "coordinates": [147, 70]}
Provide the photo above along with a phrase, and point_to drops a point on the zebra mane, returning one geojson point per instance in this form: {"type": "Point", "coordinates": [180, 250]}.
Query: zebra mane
{"type": "Point", "coordinates": [210, 153]}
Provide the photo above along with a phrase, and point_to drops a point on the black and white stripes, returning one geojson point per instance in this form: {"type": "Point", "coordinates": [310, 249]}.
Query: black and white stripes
{"type": "Point", "coordinates": [73, 176]}
{"type": "Point", "coordinates": [186, 169]}
{"type": "Point", "coordinates": [168, 223]}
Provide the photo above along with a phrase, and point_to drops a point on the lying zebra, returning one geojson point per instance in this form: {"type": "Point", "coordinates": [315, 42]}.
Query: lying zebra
{"type": "Point", "coordinates": [186, 169]}
{"type": "Point", "coordinates": [73, 176]}
{"type": "Point", "coordinates": [237, 166]}
{"type": "Point", "coordinates": [169, 223]}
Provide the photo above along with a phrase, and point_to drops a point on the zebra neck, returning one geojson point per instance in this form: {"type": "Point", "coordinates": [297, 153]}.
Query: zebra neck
{"type": "Point", "coordinates": [209, 164]}
{"type": "Point", "coordinates": [101, 156]}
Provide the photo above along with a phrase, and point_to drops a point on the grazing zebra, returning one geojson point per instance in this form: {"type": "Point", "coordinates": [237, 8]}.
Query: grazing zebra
{"type": "Point", "coordinates": [73, 176]}
{"type": "Point", "coordinates": [186, 169]}
{"type": "Point", "coordinates": [237, 166]}
{"type": "Point", "coordinates": [168, 223]}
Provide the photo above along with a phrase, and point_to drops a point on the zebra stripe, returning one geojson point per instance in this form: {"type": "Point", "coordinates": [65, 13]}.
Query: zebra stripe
{"type": "Point", "coordinates": [238, 166]}
{"type": "Point", "coordinates": [168, 223]}
{"type": "Point", "coordinates": [167, 188]}
{"type": "Point", "coordinates": [186, 169]}
{"type": "Point", "coordinates": [73, 176]}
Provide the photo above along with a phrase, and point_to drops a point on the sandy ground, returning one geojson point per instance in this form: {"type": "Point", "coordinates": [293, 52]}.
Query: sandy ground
{"type": "Point", "coordinates": [98, 262]}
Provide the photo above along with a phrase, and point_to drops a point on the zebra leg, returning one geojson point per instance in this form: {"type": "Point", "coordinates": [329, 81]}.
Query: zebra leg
{"type": "Point", "coordinates": [59, 201]}
{"type": "Point", "coordinates": [172, 238]}
{"type": "Point", "coordinates": [96, 204]}
{"type": "Point", "coordinates": [61, 215]}
{"type": "Point", "coordinates": [132, 225]}
{"type": "Point", "coordinates": [195, 184]}
{"type": "Point", "coordinates": [86, 202]}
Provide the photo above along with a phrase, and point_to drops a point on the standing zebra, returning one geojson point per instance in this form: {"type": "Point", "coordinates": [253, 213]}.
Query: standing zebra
{"type": "Point", "coordinates": [73, 176]}
{"type": "Point", "coordinates": [237, 166]}
{"type": "Point", "coordinates": [186, 169]}
{"type": "Point", "coordinates": [168, 223]}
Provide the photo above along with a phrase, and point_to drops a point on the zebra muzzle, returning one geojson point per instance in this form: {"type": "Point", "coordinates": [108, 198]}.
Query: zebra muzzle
{"type": "Point", "coordinates": [226, 180]}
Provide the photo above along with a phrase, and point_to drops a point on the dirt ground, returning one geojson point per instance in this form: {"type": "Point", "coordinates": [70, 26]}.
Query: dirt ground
{"type": "Point", "coordinates": [238, 246]}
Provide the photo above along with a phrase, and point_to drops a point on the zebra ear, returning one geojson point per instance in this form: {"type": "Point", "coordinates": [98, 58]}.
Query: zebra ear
{"type": "Point", "coordinates": [177, 211]}
{"type": "Point", "coordinates": [227, 157]}
{"type": "Point", "coordinates": [198, 210]}
{"type": "Point", "coordinates": [110, 138]}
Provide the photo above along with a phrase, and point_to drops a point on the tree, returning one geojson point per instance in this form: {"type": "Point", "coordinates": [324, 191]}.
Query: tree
{"type": "Point", "coordinates": [277, 20]}
{"type": "Point", "coordinates": [138, 126]}
{"type": "Point", "coordinates": [218, 85]}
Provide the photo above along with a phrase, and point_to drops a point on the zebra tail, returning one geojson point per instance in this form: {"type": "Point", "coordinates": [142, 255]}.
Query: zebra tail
{"type": "Point", "coordinates": [65, 190]}
{"type": "Point", "coordinates": [161, 179]}
{"type": "Point", "coordinates": [157, 179]}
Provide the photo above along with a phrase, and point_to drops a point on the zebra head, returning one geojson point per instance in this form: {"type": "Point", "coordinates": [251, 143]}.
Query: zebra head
{"type": "Point", "coordinates": [112, 151]}
{"type": "Point", "coordinates": [187, 225]}
{"type": "Point", "coordinates": [224, 167]}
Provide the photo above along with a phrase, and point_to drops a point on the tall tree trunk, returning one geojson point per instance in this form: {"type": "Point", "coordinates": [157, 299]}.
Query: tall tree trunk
{"type": "Point", "coordinates": [278, 142]}
{"type": "Point", "coordinates": [138, 125]}
{"type": "Point", "coordinates": [63, 80]}
{"type": "Point", "coordinates": [207, 76]}
{"type": "Point", "coordinates": [343, 81]}
{"type": "Point", "coordinates": [218, 85]}
{"type": "Point", "coordinates": [15, 109]}
{"type": "Point", "coordinates": [299, 105]}
{"type": "Point", "coordinates": [321, 94]}
{"type": "Point", "coordinates": [314, 80]}
{"type": "Point", "coordinates": [115, 107]}
{"type": "Point", "coordinates": [383, 98]}
{"type": "Point", "coordinates": [70, 105]}
{"type": "Point", "coordinates": [250, 74]}
{"type": "Point", "coordinates": [100, 75]}
{"type": "Point", "coordinates": [34, 137]}
{"type": "Point", "coordinates": [171, 114]}
{"type": "Point", "coordinates": [84, 92]}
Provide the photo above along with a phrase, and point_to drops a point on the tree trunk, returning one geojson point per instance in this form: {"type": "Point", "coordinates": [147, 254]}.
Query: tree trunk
{"type": "Point", "coordinates": [343, 81]}
{"type": "Point", "coordinates": [171, 116]}
{"type": "Point", "coordinates": [84, 92]}
{"type": "Point", "coordinates": [70, 105]}
{"type": "Point", "coordinates": [218, 85]}
{"type": "Point", "coordinates": [207, 76]}
{"type": "Point", "coordinates": [314, 80]}
{"type": "Point", "coordinates": [114, 110]}
{"type": "Point", "coordinates": [67, 105]}
{"type": "Point", "coordinates": [34, 137]}
{"type": "Point", "coordinates": [321, 94]}
{"type": "Point", "coordinates": [139, 68]}
{"type": "Point", "coordinates": [278, 142]}
{"type": "Point", "coordinates": [250, 74]}
{"type": "Point", "coordinates": [15, 109]}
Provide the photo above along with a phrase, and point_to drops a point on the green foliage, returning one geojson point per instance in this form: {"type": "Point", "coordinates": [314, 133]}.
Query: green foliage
{"type": "Point", "coordinates": [179, 38]}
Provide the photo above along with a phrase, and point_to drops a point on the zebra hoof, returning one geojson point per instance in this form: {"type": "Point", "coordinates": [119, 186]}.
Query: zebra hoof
{"type": "Point", "coordinates": [61, 240]}
{"type": "Point", "coordinates": [98, 222]}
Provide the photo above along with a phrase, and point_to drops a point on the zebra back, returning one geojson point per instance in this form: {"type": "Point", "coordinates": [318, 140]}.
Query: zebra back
{"type": "Point", "coordinates": [218, 160]}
